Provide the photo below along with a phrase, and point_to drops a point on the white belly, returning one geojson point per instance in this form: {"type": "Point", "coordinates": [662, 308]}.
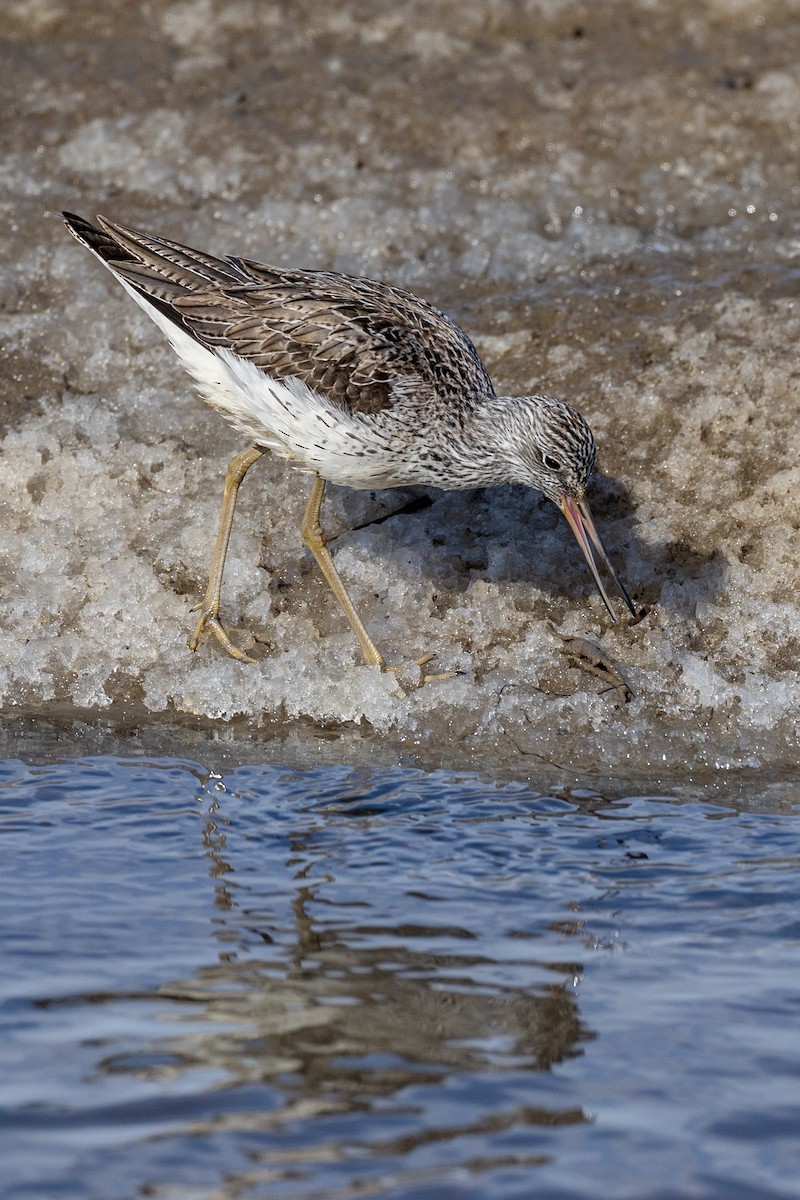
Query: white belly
{"type": "Point", "coordinates": [285, 415]}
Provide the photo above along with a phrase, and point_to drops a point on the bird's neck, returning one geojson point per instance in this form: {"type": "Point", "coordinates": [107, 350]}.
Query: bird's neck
{"type": "Point", "coordinates": [485, 441]}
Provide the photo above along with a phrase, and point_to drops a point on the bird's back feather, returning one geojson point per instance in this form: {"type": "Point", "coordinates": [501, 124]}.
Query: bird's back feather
{"type": "Point", "coordinates": [362, 344]}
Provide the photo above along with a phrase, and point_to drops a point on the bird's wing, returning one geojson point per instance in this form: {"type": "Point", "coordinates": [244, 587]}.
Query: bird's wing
{"type": "Point", "coordinates": [361, 343]}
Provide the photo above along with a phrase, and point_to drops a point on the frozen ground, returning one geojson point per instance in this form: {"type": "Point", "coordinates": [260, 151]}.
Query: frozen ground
{"type": "Point", "coordinates": [605, 196]}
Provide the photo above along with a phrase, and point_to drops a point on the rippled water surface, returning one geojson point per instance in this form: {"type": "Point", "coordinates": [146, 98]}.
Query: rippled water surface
{"type": "Point", "coordinates": [334, 983]}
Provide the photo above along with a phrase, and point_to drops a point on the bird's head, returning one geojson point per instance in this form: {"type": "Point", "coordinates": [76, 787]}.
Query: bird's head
{"type": "Point", "coordinates": [553, 449]}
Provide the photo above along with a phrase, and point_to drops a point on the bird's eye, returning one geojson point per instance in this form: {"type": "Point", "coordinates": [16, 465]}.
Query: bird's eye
{"type": "Point", "coordinates": [551, 463]}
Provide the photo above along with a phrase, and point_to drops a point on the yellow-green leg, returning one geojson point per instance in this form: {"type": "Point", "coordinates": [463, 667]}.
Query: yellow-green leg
{"type": "Point", "coordinates": [314, 539]}
{"type": "Point", "coordinates": [238, 467]}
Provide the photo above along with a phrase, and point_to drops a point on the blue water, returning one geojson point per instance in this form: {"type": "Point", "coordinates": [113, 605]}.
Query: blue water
{"type": "Point", "coordinates": [331, 983]}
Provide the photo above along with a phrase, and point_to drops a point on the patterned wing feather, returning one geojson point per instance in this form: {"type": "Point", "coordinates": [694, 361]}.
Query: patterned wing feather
{"type": "Point", "coordinates": [362, 343]}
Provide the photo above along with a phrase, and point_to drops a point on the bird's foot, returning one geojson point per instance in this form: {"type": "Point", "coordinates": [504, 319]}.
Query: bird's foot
{"type": "Point", "coordinates": [404, 673]}
{"type": "Point", "coordinates": [210, 621]}
{"type": "Point", "coordinates": [437, 676]}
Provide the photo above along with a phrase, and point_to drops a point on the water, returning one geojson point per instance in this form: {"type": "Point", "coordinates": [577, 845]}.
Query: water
{"type": "Point", "coordinates": [336, 982]}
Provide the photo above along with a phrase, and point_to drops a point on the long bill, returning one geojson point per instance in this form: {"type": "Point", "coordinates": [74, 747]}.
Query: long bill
{"type": "Point", "coordinates": [581, 523]}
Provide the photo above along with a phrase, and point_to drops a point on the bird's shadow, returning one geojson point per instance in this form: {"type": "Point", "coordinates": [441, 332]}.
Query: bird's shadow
{"type": "Point", "coordinates": [513, 534]}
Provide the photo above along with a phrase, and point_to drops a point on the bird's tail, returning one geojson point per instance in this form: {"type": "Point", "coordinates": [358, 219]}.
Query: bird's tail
{"type": "Point", "coordinates": [158, 268]}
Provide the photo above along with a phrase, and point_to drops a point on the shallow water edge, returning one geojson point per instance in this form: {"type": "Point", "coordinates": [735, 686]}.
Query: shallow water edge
{"type": "Point", "coordinates": [300, 745]}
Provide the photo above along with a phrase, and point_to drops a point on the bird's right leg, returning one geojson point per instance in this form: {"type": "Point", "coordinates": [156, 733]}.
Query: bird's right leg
{"type": "Point", "coordinates": [238, 467]}
{"type": "Point", "coordinates": [315, 540]}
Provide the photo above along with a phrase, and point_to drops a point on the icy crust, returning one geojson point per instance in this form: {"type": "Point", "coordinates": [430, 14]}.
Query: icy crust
{"type": "Point", "coordinates": [604, 195]}
{"type": "Point", "coordinates": [109, 512]}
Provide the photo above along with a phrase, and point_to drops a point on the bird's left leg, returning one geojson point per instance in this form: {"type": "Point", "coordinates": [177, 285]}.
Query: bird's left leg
{"type": "Point", "coordinates": [238, 467]}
